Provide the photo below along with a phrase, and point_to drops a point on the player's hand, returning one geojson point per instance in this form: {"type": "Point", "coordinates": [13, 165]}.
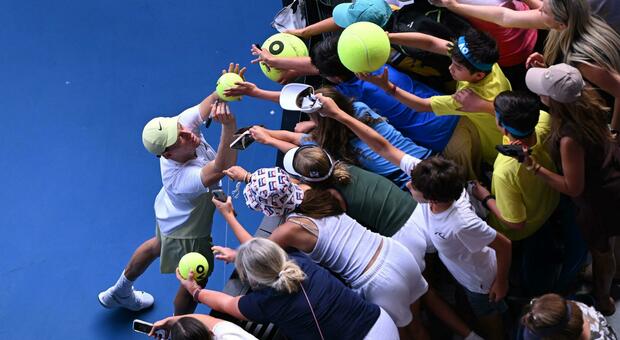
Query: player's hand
{"type": "Point", "coordinates": [260, 134]}
{"type": "Point", "coordinates": [470, 101]}
{"type": "Point", "coordinates": [535, 60]}
{"type": "Point", "coordinates": [498, 290]}
{"type": "Point", "coordinates": [225, 208]}
{"type": "Point", "coordinates": [262, 56]}
{"type": "Point", "coordinates": [225, 254]}
{"type": "Point", "coordinates": [189, 284]}
{"type": "Point", "coordinates": [236, 173]}
{"type": "Point", "coordinates": [330, 108]}
{"type": "Point", "coordinates": [234, 68]}
{"type": "Point", "coordinates": [242, 89]}
{"type": "Point", "coordinates": [220, 112]}
{"type": "Point", "coordinates": [381, 80]}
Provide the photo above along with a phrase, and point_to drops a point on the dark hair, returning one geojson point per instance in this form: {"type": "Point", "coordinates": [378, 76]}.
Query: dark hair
{"type": "Point", "coordinates": [438, 179]}
{"type": "Point", "coordinates": [319, 203]}
{"type": "Point", "coordinates": [188, 328]}
{"type": "Point", "coordinates": [518, 110]}
{"type": "Point", "coordinates": [482, 47]}
{"type": "Point", "coordinates": [324, 56]}
{"type": "Point", "coordinates": [332, 135]}
{"type": "Point", "coordinates": [548, 317]}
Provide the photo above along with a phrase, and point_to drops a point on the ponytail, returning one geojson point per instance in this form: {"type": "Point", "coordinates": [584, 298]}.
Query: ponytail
{"type": "Point", "coordinates": [289, 278]}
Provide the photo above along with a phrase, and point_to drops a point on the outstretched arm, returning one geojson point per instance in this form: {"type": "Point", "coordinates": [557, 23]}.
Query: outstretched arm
{"type": "Point", "coordinates": [323, 26]}
{"type": "Point", "coordinates": [281, 139]}
{"type": "Point", "coordinates": [496, 14]}
{"type": "Point", "coordinates": [367, 134]}
{"type": "Point", "coordinates": [409, 99]}
{"type": "Point", "coordinates": [227, 211]}
{"type": "Point", "coordinates": [303, 65]}
{"type": "Point", "coordinates": [247, 88]}
{"type": "Point", "coordinates": [219, 301]}
{"type": "Point", "coordinates": [422, 41]}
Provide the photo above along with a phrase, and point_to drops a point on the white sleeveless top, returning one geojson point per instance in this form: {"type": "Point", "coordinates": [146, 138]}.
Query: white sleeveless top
{"type": "Point", "coordinates": [343, 245]}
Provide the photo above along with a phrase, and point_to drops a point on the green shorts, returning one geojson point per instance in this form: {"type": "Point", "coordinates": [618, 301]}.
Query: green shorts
{"type": "Point", "coordinates": [179, 243]}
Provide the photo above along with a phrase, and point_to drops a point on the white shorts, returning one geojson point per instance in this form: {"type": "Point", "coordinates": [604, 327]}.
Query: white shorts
{"type": "Point", "coordinates": [394, 282]}
{"type": "Point", "coordinates": [415, 238]}
{"type": "Point", "coordinates": [383, 329]}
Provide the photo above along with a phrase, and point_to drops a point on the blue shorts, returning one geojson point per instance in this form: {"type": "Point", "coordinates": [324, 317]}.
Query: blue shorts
{"type": "Point", "coordinates": [481, 306]}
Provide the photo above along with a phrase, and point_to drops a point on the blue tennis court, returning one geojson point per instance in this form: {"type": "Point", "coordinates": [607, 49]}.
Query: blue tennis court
{"type": "Point", "coordinates": [79, 81]}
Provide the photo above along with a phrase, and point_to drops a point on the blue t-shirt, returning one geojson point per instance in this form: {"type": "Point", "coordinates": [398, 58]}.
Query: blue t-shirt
{"type": "Point", "coordinates": [341, 313]}
{"type": "Point", "coordinates": [424, 128]}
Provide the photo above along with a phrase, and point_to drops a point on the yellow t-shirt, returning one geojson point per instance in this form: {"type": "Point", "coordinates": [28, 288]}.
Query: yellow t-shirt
{"type": "Point", "coordinates": [521, 195]}
{"type": "Point", "coordinates": [488, 88]}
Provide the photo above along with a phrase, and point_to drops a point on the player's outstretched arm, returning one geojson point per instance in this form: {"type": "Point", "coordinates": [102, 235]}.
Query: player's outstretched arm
{"type": "Point", "coordinates": [226, 156]}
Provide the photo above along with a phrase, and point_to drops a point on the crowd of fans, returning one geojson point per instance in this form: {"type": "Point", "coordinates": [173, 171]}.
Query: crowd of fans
{"type": "Point", "coordinates": [409, 207]}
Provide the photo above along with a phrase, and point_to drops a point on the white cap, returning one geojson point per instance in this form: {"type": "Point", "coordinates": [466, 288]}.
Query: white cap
{"type": "Point", "coordinates": [299, 97]}
{"type": "Point", "coordinates": [287, 162]}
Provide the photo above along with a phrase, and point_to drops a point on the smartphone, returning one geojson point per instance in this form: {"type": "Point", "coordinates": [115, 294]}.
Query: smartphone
{"type": "Point", "coordinates": [513, 151]}
{"type": "Point", "coordinates": [146, 327]}
{"type": "Point", "coordinates": [219, 195]}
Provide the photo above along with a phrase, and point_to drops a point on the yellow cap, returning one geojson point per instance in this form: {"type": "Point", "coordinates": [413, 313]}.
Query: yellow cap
{"type": "Point", "coordinates": [160, 133]}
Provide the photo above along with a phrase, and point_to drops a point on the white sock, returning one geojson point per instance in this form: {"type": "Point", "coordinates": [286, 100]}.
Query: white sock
{"type": "Point", "coordinates": [473, 336]}
{"type": "Point", "coordinates": [123, 286]}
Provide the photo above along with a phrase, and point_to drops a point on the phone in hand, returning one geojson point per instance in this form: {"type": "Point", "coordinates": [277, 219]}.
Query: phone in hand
{"type": "Point", "coordinates": [242, 139]}
{"type": "Point", "coordinates": [515, 151]}
{"type": "Point", "coordinates": [220, 195]}
{"type": "Point", "coordinates": [146, 327]}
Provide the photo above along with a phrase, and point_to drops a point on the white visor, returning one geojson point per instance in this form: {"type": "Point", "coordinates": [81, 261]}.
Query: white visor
{"type": "Point", "coordinates": [298, 97]}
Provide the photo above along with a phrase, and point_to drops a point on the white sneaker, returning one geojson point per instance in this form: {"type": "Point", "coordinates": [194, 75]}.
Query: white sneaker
{"type": "Point", "coordinates": [136, 301]}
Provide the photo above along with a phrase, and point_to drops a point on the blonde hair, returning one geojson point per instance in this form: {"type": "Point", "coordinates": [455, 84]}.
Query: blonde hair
{"type": "Point", "coordinates": [587, 39]}
{"type": "Point", "coordinates": [551, 310]}
{"type": "Point", "coordinates": [316, 160]}
{"type": "Point", "coordinates": [262, 263]}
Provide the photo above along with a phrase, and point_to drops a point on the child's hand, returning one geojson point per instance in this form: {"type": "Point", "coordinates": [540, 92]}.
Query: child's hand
{"type": "Point", "coordinates": [225, 254]}
{"type": "Point", "coordinates": [535, 60]}
{"type": "Point", "coordinates": [470, 101]}
{"type": "Point", "coordinates": [242, 89]}
{"type": "Point", "coordinates": [330, 108]}
{"type": "Point", "coordinates": [381, 81]}
{"type": "Point", "coordinates": [260, 134]}
{"type": "Point", "coordinates": [225, 208]}
{"type": "Point", "coordinates": [263, 56]}
{"type": "Point", "coordinates": [236, 173]}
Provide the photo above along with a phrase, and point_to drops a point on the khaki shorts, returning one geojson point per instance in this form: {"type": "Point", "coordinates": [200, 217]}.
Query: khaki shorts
{"type": "Point", "coordinates": [179, 243]}
{"type": "Point", "coordinates": [464, 148]}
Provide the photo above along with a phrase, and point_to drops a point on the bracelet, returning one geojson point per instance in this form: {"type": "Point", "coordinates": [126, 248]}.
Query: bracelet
{"type": "Point", "coordinates": [392, 90]}
{"type": "Point", "coordinates": [247, 177]}
{"type": "Point", "coordinates": [196, 294]}
{"type": "Point", "coordinates": [537, 168]}
{"type": "Point", "coordinates": [486, 199]}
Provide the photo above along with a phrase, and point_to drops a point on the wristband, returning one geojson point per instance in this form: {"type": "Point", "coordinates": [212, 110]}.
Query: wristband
{"type": "Point", "coordinates": [247, 177]}
{"type": "Point", "coordinates": [196, 294]}
{"type": "Point", "coordinates": [486, 199]}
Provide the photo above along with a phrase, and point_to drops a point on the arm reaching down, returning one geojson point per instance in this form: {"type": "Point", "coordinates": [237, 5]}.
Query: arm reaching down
{"type": "Point", "coordinates": [225, 157]}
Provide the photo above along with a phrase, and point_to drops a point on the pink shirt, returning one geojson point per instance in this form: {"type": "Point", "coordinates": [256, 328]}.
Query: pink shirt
{"type": "Point", "coordinates": [515, 44]}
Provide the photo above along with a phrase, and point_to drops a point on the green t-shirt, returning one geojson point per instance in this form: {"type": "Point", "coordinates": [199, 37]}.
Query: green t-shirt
{"type": "Point", "coordinates": [375, 202]}
{"type": "Point", "coordinates": [488, 88]}
{"type": "Point", "coordinates": [521, 195]}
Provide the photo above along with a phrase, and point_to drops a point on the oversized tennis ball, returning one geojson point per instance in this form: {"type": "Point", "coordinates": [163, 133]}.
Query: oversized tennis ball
{"type": "Point", "coordinates": [226, 81]}
{"type": "Point", "coordinates": [195, 262]}
{"type": "Point", "coordinates": [282, 45]}
{"type": "Point", "coordinates": [363, 47]}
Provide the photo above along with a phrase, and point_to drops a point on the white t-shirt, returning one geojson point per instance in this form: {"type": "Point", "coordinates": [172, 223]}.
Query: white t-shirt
{"type": "Point", "coordinates": [225, 330]}
{"type": "Point", "coordinates": [182, 187]}
{"type": "Point", "coordinates": [461, 238]}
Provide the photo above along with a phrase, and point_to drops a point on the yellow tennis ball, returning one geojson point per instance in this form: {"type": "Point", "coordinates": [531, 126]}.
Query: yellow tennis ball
{"type": "Point", "coordinates": [282, 45]}
{"type": "Point", "coordinates": [363, 47]}
{"type": "Point", "coordinates": [226, 81]}
{"type": "Point", "coordinates": [196, 263]}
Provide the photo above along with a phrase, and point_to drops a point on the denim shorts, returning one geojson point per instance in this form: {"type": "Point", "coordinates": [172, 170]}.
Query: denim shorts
{"type": "Point", "coordinates": [481, 306]}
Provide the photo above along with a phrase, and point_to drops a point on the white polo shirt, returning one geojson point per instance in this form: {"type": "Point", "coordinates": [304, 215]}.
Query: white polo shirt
{"type": "Point", "coordinates": [182, 194]}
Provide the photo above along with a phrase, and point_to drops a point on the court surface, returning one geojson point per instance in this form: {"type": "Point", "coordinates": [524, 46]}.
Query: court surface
{"type": "Point", "coordinates": [78, 81]}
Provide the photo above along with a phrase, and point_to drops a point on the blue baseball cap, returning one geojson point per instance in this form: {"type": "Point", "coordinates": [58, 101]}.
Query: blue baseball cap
{"type": "Point", "coordinates": [375, 11]}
